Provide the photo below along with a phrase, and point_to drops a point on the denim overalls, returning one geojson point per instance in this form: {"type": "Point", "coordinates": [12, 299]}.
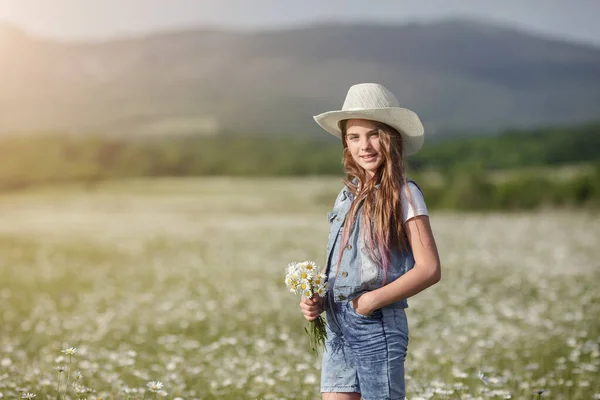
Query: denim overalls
{"type": "Point", "coordinates": [362, 353]}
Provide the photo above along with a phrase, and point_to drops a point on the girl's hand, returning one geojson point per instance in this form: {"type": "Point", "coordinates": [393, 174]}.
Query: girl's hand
{"type": "Point", "coordinates": [362, 305]}
{"type": "Point", "coordinates": [311, 308]}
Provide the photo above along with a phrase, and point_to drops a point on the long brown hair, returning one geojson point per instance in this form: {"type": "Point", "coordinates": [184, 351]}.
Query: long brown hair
{"type": "Point", "coordinates": [382, 222]}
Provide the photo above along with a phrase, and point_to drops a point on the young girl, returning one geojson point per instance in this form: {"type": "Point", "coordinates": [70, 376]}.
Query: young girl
{"type": "Point", "coordinates": [380, 250]}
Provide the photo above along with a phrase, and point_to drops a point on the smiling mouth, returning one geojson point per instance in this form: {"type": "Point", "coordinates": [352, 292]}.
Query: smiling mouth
{"type": "Point", "coordinates": [369, 157]}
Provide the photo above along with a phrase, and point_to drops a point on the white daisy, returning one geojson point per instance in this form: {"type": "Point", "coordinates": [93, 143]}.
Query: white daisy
{"type": "Point", "coordinates": [305, 276]}
{"type": "Point", "coordinates": [27, 395]}
{"type": "Point", "coordinates": [323, 286]}
{"type": "Point", "coordinates": [70, 351]}
{"type": "Point", "coordinates": [310, 266]}
{"type": "Point", "coordinates": [292, 269]}
{"type": "Point", "coordinates": [289, 281]}
{"type": "Point", "coordinates": [154, 386]}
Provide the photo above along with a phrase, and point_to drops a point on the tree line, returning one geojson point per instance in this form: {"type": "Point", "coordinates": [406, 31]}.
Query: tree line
{"type": "Point", "coordinates": [463, 167]}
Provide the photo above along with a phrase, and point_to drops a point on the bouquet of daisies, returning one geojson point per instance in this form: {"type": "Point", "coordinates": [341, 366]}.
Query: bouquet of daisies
{"type": "Point", "coordinates": [305, 279]}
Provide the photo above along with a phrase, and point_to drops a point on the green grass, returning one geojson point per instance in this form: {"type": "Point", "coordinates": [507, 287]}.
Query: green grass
{"type": "Point", "coordinates": [181, 281]}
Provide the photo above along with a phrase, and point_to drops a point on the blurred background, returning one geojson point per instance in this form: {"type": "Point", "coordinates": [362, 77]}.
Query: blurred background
{"type": "Point", "coordinates": [509, 93]}
{"type": "Point", "coordinates": [160, 166]}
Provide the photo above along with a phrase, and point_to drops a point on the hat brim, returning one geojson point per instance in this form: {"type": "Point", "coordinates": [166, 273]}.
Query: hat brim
{"type": "Point", "coordinates": [405, 121]}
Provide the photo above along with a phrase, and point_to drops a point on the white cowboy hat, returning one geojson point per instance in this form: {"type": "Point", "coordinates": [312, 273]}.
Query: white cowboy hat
{"type": "Point", "coordinates": [374, 102]}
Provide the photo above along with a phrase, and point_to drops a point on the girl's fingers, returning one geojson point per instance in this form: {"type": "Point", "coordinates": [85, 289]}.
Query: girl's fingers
{"type": "Point", "coordinates": [310, 316]}
{"type": "Point", "coordinates": [308, 301]}
{"type": "Point", "coordinates": [309, 308]}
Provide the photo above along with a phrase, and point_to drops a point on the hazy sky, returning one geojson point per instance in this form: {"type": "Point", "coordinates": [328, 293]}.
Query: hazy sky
{"type": "Point", "coordinates": [99, 19]}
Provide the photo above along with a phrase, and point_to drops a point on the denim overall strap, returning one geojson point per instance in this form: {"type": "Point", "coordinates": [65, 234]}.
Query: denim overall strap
{"type": "Point", "coordinates": [337, 218]}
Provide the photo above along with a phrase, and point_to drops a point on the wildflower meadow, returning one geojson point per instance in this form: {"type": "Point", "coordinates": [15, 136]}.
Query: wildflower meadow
{"type": "Point", "coordinates": [174, 289]}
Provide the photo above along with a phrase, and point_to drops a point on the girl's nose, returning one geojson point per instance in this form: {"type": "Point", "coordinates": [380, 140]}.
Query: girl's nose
{"type": "Point", "coordinates": [365, 144]}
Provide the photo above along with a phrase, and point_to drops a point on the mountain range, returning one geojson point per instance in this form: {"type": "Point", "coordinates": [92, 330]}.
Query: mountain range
{"type": "Point", "coordinates": [458, 75]}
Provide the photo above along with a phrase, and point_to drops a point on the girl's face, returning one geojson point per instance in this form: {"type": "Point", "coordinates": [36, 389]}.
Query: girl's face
{"type": "Point", "coordinates": [362, 139]}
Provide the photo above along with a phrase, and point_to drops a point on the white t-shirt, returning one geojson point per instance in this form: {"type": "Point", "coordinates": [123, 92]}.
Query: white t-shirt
{"type": "Point", "coordinates": [408, 211]}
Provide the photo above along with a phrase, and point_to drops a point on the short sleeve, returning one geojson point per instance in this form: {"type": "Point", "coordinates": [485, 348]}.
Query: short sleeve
{"type": "Point", "coordinates": [408, 211]}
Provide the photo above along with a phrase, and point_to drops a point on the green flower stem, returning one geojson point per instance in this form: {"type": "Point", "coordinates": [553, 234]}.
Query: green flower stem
{"type": "Point", "coordinates": [58, 386]}
{"type": "Point", "coordinates": [317, 333]}
{"type": "Point", "coordinates": [68, 376]}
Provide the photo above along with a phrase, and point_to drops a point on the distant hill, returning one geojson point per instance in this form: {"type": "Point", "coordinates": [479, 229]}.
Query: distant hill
{"type": "Point", "coordinates": [459, 75]}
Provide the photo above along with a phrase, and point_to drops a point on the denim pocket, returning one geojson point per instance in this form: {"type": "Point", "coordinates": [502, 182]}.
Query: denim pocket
{"type": "Point", "coordinates": [376, 314]}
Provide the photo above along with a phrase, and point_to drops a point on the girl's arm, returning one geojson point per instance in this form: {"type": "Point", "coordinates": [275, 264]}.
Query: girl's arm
{"type": "Point", "coordinates": [425, 273]}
